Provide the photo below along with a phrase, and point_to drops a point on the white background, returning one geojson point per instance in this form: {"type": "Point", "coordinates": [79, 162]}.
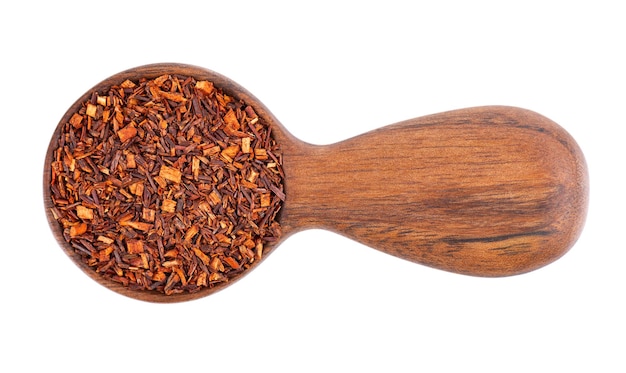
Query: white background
{"type": "Point", "coordinates": [328, 70]}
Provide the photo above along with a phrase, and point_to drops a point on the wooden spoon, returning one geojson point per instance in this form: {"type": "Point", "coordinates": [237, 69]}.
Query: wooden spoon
{"type": "Point", "coordinates": [485, 191]}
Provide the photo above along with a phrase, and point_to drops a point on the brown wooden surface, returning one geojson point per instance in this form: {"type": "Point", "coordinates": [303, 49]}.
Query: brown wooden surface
{"type": "Point", "coordinates": [489, 191]}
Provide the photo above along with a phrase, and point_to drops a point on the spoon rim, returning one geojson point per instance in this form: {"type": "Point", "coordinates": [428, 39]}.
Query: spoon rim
{"type": "Point", "coordinates": [151, 71]}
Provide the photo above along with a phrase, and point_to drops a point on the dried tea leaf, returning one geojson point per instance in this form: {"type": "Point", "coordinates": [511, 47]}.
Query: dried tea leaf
{"type": "Point", "coordinates": [148, 214]}
{"type": "Point", "coordinates": [260, 154]}
{"type": "Point", "coordinates": [127, 133]}
{"type": "Point", "coordinates": [105, 240]}
{"type": "Point", "coordinates": [245, 145]}
{"type": "Point", "coordinates": [137, 225]}
{"type": "Point", "coordinates": [205, 87]}
{"type": "Point", "coordinates": [231, 262]}
{"type": "Point", "coordinates": [127, 84]}
{"type": "Point", "coordinates": [91, 110]}
{"type": "Point", "coordinates": [230, 152]}
{"type": "Point", "coordinates": [78, 229]}
{"type": "Point", "coordinates": [84, 212]}
{"type": "Point", "coordinates": [170, 173]}
{"type": "Point", "coordinates": [136, 188]}
{"type": "Point", "coordinates": [134, 246]}
{"type": "Point", "coordinates": [76, 120]}
{"type": "Point", "coordinates": [216, 265]}
{"type": "Point", "coordinates": [266, 200]}
{"type": "Point", "coordinates": [168, 205]}
{"type": "Point", "coordinates": [202, 256]}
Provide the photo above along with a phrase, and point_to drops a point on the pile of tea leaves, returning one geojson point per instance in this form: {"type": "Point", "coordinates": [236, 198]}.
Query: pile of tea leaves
{"type": "Point", "coordinates": [167, 184]}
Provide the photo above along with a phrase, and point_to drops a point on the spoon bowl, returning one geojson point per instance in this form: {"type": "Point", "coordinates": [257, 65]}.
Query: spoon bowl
{"type": "Point", "coordinates": [486, 191]}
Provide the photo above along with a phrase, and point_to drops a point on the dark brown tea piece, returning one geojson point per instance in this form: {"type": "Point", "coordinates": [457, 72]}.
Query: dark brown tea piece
{"type": "Point", "coordinates": [167, 184]}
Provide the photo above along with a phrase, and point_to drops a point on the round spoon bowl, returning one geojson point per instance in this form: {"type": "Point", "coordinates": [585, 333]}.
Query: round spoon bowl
{"type": "Point", "coordinates": [153, 71]}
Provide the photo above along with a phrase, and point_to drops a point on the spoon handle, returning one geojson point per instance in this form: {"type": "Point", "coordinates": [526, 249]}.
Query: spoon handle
{"type": "Point", "coordinates": [487, 191]}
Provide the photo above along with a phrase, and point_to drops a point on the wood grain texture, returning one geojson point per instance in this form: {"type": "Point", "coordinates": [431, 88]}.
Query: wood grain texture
{"type": "Point", "coordinates": [488, 191]}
